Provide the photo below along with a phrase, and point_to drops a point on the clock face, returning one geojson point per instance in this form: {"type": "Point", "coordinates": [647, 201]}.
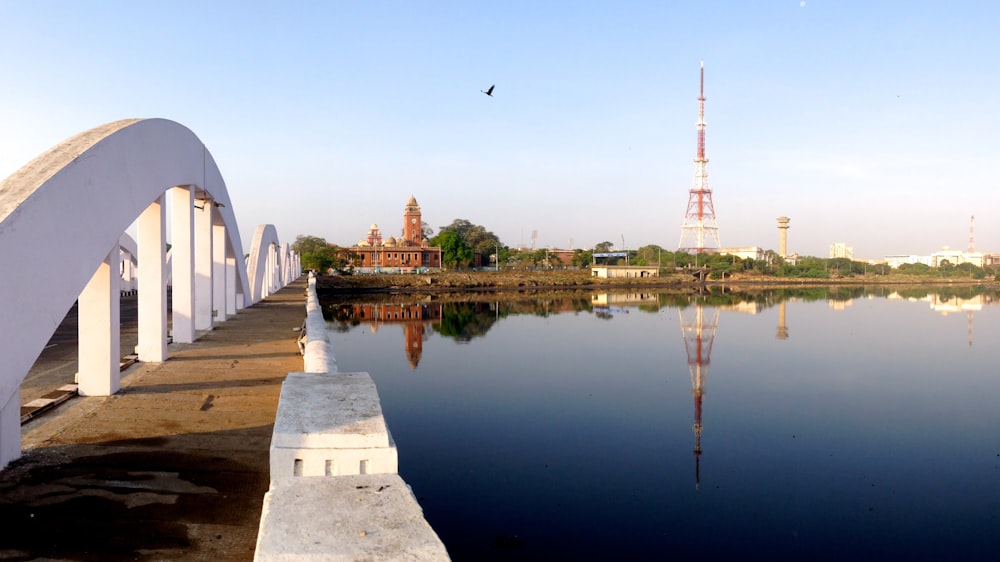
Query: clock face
{"type": "Point", "coordinates": [413, 221]}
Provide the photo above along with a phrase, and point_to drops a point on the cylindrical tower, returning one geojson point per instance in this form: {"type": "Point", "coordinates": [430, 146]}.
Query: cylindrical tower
{"type": "Point", "coordinates": [783, 236]}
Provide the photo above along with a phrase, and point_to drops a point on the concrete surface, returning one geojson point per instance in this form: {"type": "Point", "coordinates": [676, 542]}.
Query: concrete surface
{"type": "Point", "coordinates": [174, 466]}
{"type": "Point", "coordinates": [361, 517]}
{"type": "Point", "coordinates": [330, 424]}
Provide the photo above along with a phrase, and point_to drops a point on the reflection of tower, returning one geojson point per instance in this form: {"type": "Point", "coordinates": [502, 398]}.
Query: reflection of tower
{"type": "Point", "coordinates": [699, 219]}
{"type": "Point", "coordinates": [699, 333]}
{"type": "Point", "coordinates": [969, 328]}
{"type": "Point", "coordinates": [412, 227]}
{"type": "Point", "coordinates": [413, 333]}
{"type": "Point", "coordinates": [783, 236]}
{"type": "Point", "coordinates": [782, 329]}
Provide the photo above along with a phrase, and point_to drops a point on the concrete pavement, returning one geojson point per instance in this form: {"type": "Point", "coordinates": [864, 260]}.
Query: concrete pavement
{"type": "Point", "coordinates": [174, 466]}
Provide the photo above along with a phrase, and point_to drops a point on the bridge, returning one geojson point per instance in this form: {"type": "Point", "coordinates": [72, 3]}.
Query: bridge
{"type": "Point", "coordinates": [76, 202]}
{"type": "Point", "coordinates": [62, 217]}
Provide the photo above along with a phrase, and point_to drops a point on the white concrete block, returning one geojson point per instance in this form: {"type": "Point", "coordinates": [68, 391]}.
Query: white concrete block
{"type": "Point", "coordinates": [329, 411]}
{"type": "Point", "coordinates": [289, 462]}
{"type": "Point", "coordinates": [364, 517]}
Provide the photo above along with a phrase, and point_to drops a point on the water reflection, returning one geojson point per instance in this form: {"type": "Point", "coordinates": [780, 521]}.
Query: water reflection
{"type": "Point", "coordinates": [466, 320]}
{"type": "Point", "coordinates": [841, 423]}
{"type": "Point", "coordinates": [698, 329]}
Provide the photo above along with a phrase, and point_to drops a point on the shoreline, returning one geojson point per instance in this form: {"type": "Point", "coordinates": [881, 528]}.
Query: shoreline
{"type": "Point", "coordinates": [580, 280]}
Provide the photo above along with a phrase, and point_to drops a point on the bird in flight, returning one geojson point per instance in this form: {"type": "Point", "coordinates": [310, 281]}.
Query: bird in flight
{"type": "Point", "coordinates": [489, 92]}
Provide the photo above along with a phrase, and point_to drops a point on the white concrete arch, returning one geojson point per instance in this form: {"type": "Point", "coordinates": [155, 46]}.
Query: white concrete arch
{"type": "Point", "coordinates": [129, 261]}
{"type": "Point", "coordinates": [262, 261]}
{"type": "Point", "coordinates": [75, 201]}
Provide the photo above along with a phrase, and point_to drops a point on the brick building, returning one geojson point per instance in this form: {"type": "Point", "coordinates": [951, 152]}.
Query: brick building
{"type": "Point", "coordinates": [410, 253]}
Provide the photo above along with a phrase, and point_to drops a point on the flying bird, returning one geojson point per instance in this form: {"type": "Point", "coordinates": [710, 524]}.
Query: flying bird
{"type": "Point", "coordinates": [489, 92]}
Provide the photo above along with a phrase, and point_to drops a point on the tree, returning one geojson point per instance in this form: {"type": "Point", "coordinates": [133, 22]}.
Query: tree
{"type": "Point", "coordinates": [304, 244]}
{"type": "Point", "coordinates": [316, 253]}
{"type": "Point", "coordinates": [455, 252]}
{"type": "Point", "coordinates": [603, 247]}
{"type": "Point", "coordinates": [476, 237]}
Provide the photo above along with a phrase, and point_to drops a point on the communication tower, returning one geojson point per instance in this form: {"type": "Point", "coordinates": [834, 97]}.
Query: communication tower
{"type": "Point", "coordinates": [700, 231]}
{"type": "Point", "coordinates": [972, 234]}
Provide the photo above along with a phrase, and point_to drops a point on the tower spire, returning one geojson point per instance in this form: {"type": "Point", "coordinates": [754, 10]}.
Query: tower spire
{"type": "Point", "coordinates": [972, 234]}
{"type": "Point", "coordinates": [699, 219]}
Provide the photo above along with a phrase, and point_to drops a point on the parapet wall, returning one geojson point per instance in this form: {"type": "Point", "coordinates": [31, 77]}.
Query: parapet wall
{"type": "Point", "coordinates": [334, 492]}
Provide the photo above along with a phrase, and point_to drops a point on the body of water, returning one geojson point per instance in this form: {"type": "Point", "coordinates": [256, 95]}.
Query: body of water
{"type": "Point", "coordinates": [797, 425]}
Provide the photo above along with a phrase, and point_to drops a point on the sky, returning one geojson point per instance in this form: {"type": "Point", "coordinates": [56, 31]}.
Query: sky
{"type": "Point", "coordinates": [867, 122]}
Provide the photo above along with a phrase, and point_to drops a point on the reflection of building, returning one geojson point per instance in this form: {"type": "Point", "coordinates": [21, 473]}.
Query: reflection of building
{"type": "Point", "coordinates": [411, 252]}
{"type": "Point", "coordinates": [839, 305]}
{"type": "Point", "coordinates": [411, 316]}
{"type": "Point", "coordinates": [698, 329]}
{"type": "Point", "coordinates": [609, 299]}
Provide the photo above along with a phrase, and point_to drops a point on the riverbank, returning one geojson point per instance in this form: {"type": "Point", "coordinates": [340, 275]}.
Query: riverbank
{"type": "Point", "coordinates": [681, 282]}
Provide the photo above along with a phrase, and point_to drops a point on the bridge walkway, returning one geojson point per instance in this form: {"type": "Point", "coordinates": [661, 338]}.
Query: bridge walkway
{"type": "Point", "coordinates": [174, 466]}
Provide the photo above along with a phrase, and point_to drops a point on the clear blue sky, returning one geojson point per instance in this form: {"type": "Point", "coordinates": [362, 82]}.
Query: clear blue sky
{"type": "Point", "coordinates": [873, 123]}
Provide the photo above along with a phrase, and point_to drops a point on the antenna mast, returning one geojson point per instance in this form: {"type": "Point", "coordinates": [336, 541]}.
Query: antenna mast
{"type": "Point", "coordinates": [972, 234]}
{"type": "Point", "coordinates": [699, 219]}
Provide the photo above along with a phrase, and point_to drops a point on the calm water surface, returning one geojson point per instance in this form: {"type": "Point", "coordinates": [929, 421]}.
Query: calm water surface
{"type": "Point", "coordinates": [790, 425]}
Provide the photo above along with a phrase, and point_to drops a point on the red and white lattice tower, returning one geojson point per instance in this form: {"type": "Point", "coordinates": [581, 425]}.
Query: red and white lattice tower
{"type": "Point", "coordinates": [972, 234]}
{"type": "Point", "coordinates": [700, 233]}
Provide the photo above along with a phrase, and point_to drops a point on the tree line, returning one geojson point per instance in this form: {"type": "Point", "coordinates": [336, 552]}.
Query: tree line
{"type": "Point", "coordinates": [461, 240]}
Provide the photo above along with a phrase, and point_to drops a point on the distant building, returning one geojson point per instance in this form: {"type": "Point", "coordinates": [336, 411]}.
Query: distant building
{"type": "Point", "coordinates": [841, 250]}
{"type": "Point", "coordinates": [745, 253]}
{"type": "Point", "coordinates": [618, 271]}
{"type": "Point", "coordinates": [407, 254]}
{"type": "Point", "coordinates": [945, 255]}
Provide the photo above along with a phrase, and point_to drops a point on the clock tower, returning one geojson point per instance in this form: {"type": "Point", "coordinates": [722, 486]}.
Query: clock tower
{"type": "Point", "coordinates": [412, 227]}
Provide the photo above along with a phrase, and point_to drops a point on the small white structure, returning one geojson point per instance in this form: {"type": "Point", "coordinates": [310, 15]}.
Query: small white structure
{"type": "Point", "coordinates": [624, 271]}
{"type": "Point", "coordinates": [745, 252]}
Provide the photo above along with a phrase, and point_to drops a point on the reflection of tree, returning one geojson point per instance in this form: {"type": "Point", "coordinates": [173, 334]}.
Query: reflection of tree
{"type": "Point", "coordinates": [463, 321]}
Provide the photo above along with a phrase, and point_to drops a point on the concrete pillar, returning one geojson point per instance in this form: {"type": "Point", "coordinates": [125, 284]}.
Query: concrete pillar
{"type": "Point", "coordinates": [182, 248]}
{"type": "Point", "coordinates": [10, 429]}
{"type": "Point", "coordinates": [152, 250]}
{"type": "Point", "coordinates": [783, 236]}
{"type": "Point", "coordinates": [100, 330]}
{"type": "Point", "coordinates": [219, 270]}
{"type": "Point", "coordinates": [231, 294]}
{"type": "Point", "coordinates": [203, 266]}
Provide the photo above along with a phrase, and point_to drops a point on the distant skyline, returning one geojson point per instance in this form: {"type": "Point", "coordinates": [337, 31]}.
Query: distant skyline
{"type": "Point", "coordinates": [867, 123]}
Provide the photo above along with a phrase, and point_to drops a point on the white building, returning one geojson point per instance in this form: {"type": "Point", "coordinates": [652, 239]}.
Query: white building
{"type": "Point", "coordinates": [744, 253]}
{"type": "Point", "coordinates": [841, 250]}
{"type": "Point", "coordinates": [946, 254]}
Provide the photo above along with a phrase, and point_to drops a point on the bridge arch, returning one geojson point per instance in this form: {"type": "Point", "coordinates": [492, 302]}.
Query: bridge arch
{"type": "Point", "coordinates": [74, 202]}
